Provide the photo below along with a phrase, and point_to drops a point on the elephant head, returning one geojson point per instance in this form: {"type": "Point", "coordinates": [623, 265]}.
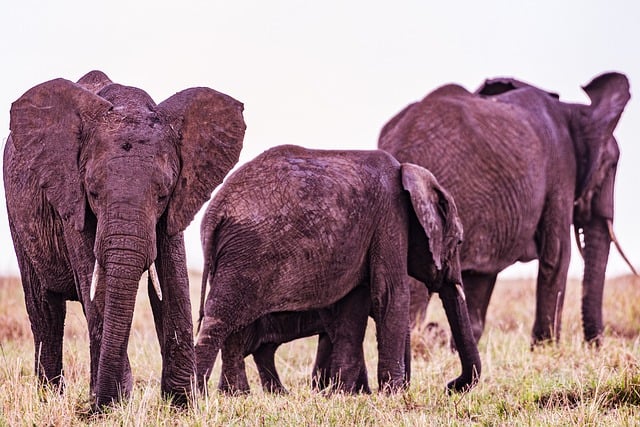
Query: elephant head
{"type": "Point", "coordinates": [435, 236]}
{"type": "Point", "coordinates": [598, 155]}
{"type": "Point", "coordinates": [122, 171]}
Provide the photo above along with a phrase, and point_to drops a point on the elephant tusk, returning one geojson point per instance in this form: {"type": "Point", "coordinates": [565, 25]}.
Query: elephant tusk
{"type": "Point", "coordinates": [153, 275]}
{"type": "Point", "coordinates": [612, 235]}
{"type": "Point", "coordinates": [576, 233]}
{"type": "Point", "coordinates": [460, 290]}
{"type": "Point", "coordinates": [94, 281]}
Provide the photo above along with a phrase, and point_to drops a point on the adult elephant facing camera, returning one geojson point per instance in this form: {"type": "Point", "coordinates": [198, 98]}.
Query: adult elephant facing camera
{"type": "Point", "coordinates": [522, 167]}
{"type": "Point", "coordinates": [298, 229]}
{"type": "Point", "coordinates": [100, 183]}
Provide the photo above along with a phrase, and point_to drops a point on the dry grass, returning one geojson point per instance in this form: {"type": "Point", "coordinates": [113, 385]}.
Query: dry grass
{"type": "Point", "coordinates": [568, 384]}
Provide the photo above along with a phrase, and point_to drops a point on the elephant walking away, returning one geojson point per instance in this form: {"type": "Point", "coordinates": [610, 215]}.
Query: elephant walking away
{"type": "Point", "coordinates": [523, 167]}
{"type": "Point", "coordinates": [298, 229]}
{"type": "Point", "coordinates": [100, 184]}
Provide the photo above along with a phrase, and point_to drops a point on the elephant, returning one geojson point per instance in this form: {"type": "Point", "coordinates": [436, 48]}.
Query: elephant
{"type": "Point", "coordinates": [100, 183]}
{"type": "Point", "coordinates": [297, 229]}
{"type": "Point", "coordinates": [262, 338]}
{"type": "Point", "coordinates": [523, 166]}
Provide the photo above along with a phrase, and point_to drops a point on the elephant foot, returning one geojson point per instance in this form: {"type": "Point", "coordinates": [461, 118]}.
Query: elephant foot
{"type": "Point", "coordinates": [539, 342]}
{"type": "Point", "coordinates": [234, 385]}
{"type": "Point", "coordinates": [57, 384]}
{"type": "Point", "coordinates": [178, 398]}
{"type": "Point", "coordinates": [178, 391]}
{"type": "Point", "coordinates": [595, 341]}
{"type": "Point", "coordinates": [329, 385]}
{"type": "Point", "coordinates": [276, 388]}
{"type": "Point", "coordinates": [357, 387]}
{"type": "Point", "coordinates": [206, 354]}
{"type": "Point", "coordinates": [361, 389]}
{"type": "Point", "coordinates": [112, 395]}
{"type": "Point", "coordinates": [392, 384]}
{"type": "Point", "coordinates": [88, 412]}
{"type": "Point", "coordinates": [593, 335]}
{"type": "Point", "coordinates": [232, 391]}
{"type": "Point", "coordinates": [100, 406]}
{"type": "Point", "coordinates": [543, 335]}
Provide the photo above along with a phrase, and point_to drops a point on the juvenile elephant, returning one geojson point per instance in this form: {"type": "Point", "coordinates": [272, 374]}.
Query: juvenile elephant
{"type": "Point", "coordinates": [298, 229]}
{"type": "Point", "coordinates": [262, 338]}
{"type": "Point", "coordinates": [100, 183]}
{"type": "Point", "coordinates": [522, 167]}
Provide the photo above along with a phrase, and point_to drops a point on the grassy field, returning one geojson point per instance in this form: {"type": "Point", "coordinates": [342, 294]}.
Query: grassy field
{"type": "Point", "coordinates": [568, 384]}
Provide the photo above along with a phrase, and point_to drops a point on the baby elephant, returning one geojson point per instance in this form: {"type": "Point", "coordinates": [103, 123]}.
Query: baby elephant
{"type": "Point", "coordinates": [298, 230]}
{"type": "Point", "coordinates": [262, 338]}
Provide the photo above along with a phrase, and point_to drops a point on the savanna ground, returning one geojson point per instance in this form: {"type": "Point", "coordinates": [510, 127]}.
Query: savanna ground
{"type": "Point", "coordinates": [567, 384]}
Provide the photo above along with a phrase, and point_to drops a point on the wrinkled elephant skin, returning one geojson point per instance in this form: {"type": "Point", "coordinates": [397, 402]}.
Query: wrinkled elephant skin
{"type": "Point", "coordinates": [100, 183]}
{"type": "Point", "coordinates": [523, 167]}
{"type": "Point", "coordinates": [297, 230]}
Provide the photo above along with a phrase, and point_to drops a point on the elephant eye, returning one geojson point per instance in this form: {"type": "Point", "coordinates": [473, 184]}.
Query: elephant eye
{"type": "Point", "coordinates": [93, 195]}
{"type": "Point", "coordinates": [162, 199]}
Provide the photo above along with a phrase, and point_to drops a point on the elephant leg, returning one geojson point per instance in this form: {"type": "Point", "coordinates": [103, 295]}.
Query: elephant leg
{"type": "Point", "coordinates": [221, 316]}
{"type": "Point", "coordinates": [346, 324]}
{"type": "Point", "coordinates": [390, 308]}
{"type": "Point", "coordinates": [478, 288]}
{"type": "Point", "coordinates": [233, 378]}
{"type": "Point", "coordinates": [80, 253]}
{"type": "Point", "coordinates": [93, 311]}
{"type": "Point", "coordinates": [554, 252]}
{"type": "Point", "coordinates": [264, 357]}
{"type": "Point", "coordinates": [347, 370]}
{"type": "Point", "coordinates": [321, 376]}
{"type": "Point", "coordinates": [322, 371]}
{"type": "Point", "coordinates": [47, 311]}
{"type": "Point", "coordinates": [207, 345]}
{"type": "Point", "coordinates": [172, 317]}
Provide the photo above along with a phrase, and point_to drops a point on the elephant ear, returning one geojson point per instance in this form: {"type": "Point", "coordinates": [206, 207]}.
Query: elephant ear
{"type": "Point", "coordinates": [609, 93]}
{"type": "Point", "coordinates": [47, 125]}
{"type": "Point", "coordinates": [596, 147]}
{"type": "Point", "coordinates": [437, 217]}
{"type": "Point", "coordinates": [210, 129]}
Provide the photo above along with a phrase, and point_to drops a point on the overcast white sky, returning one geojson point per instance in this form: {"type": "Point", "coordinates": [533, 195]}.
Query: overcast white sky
{"type": "Point", "coordinates": [329, 74]}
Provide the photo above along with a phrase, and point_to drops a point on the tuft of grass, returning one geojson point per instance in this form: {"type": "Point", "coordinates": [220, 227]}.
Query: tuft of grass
{"type": "Point", "coordinates": [621, 297]}
{"type": "Point", "coordinates": [566, 384]}
{"type": "Point", "coordinates": [618, 391]}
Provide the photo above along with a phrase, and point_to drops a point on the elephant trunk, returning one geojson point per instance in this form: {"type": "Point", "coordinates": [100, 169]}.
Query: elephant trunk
{"type": "Point", "coordinates": [455, 308]}
{"type": "Point", "coordinates": [596, 254]}
{"type": "Point", "coordinates": [123, 259]}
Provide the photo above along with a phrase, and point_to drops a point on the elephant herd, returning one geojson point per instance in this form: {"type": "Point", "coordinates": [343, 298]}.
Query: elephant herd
{"type": "Point", "coordinates": [101, 182]}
